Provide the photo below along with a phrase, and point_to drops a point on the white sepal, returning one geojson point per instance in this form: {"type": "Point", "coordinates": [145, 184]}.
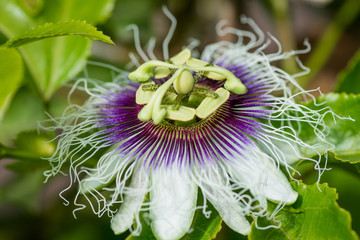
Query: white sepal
{"type": "Point", "coordinates": [265, 181]}
{"type": "Point", "coordinates": [222, 198]}
{"type": "Point", "coordinates": [124, 218]}
{"type": "Point", "coordinates": [172, 203]}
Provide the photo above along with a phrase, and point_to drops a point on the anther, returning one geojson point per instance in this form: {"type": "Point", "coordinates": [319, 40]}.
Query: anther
{"type": "Point", "coordinates": [183, 113]}
{"type": "Point", "coordinates": [210, 105]}
{"type": "Point", "coordinates": [161, 72]}
{"type": "Point", "coordinates": [143, 95]}
{"type": "Point", "coordinates": [181, 57]}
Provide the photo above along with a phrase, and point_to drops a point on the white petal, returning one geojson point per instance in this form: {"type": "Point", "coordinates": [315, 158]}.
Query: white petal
{"type": "Point", "coordinates": [222, 198]}
{"type": "Point", "coordinates": [172, 203]}
{"type": "Point", "coordinates": [264, 180]}
{"type": "Point", "coordinates": [277, 187]}
{"type": "Point", "coordinates": [124, 218]}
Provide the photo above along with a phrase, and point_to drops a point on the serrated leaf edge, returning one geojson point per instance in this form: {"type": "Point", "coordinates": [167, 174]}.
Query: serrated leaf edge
{"type": "Point", "coordinates": [12, 42]}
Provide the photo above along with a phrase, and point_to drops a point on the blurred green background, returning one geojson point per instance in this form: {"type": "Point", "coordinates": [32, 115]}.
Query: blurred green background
{"type": "Point", "coordinates": [30, 209]}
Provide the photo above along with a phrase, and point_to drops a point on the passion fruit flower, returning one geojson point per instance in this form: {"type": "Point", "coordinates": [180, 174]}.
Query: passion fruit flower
{"type": "Point", "coordinates": [222, 124]}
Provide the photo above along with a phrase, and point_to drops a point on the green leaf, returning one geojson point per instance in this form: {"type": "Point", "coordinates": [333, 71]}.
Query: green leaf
{"type": "Point", "coordinates": [349, 79]}
{"type": "Point", "coordinates": [315, 215]}
{"type": "Point", "coordinates": [146, 232]}
{"type": "Point", "coordinates": [13, 19]}
{"type": "Point", "coordinates": [52, 62]}
{"type": "Point", "coordinates": [357, 165]}
{"type": "Point", "coordinates": [204, 228]}
{"type": "Point", "coordinates": [11, 72]}
{"type": "Point", "coordinates": [49, 30]}
{"type": "Point", "coordinates": [23, 191]}
{"type": "Point", "coordinates": [343, 134]}
{"type": "Point", "coordinates": [23, 114]}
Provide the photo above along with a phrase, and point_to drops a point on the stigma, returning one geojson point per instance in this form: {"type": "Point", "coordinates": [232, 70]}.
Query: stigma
{"type": "Point", "coordinates": [170, 90]}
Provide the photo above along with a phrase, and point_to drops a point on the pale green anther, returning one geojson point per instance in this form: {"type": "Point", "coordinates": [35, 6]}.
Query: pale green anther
{"type": "Point", "coordinates": [197, 63]}
{"type": "Point", "coordinates": [142, 74]}
{"type": "Point", "coordinates": [181, 114]}
{"type": "Point", "coordinates": [161, 72]}
{"type": "Point", "coordinates": [194, 62]}
{"type": "Point", "coordinates": [146, 70]}
{"type": "Point", "coordinates": [184, 83]}
{"type": "Point", "coordinates": [143, 97]}
{"type": "Point", "coordinates": [181, 57]}
{"type": "Point", "coordinates": [210, 105]}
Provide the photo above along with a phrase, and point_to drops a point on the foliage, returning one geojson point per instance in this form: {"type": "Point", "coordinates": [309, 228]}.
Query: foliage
{"type": "Point", "coordinates": [315, 215]}
{"type": "Point", "coordinates": [349, 79]}
{"type": "Point", "coordinates": [11, 70]}
{"type": "Point", "coordinates": [49, 30]}
{"type": "Point", "coordinates": [343, 134]}
{"type": "Point", "coordinates": [54, 61]}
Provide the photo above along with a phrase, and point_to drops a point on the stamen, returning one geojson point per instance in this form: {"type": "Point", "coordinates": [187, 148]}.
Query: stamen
{"type": "Point", "coordinates": [183, 113]}
{"type": "Point", "coordinates": [143, 95]}
{"type": "Point", "coordinates": [210, 105]}
{"type": "Point", "coordinates": [181, 57]}
{"type": "Point", "coordinates": [161, 72]}
{"type": "Point", "coordinates": [182, 84]}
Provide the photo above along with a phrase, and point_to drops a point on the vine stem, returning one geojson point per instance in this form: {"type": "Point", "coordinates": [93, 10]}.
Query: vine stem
{"type": "Point", "coordinates": [6, 152]}
{"type": "Point", "coordinates": [324, 48]}
{"type": "Point", "coordinates": [286, 36]}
